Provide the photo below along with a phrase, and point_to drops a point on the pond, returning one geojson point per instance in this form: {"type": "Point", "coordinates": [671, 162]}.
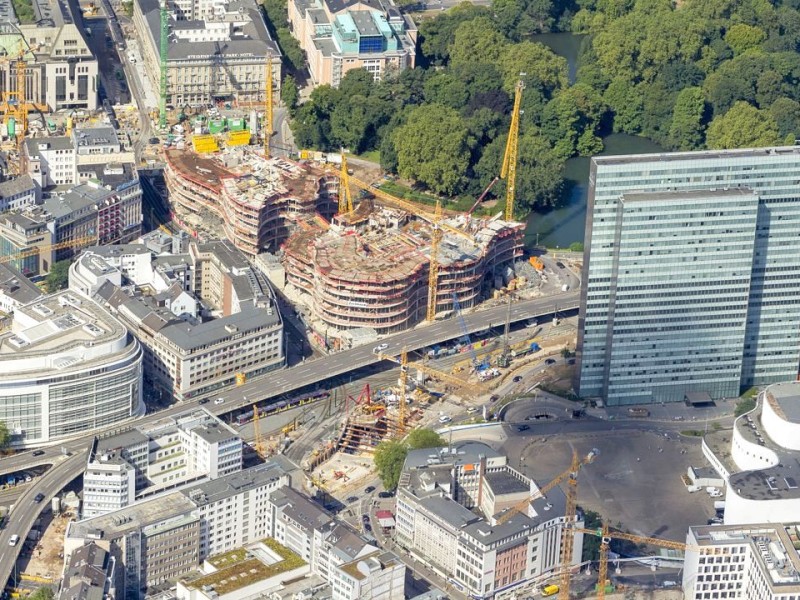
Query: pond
{"type": "Point", "coordinates": [566, 224]}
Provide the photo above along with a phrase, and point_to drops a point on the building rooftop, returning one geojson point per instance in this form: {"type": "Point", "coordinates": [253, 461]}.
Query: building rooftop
{"type": "Point", "coordinates": [503, 482]}
{"type": "Point", "coordinates": [57, 330]}
{"type": "Point", "coordinates": [450, 511]}
{"type": "Point", "coordinates": [787, 398]}
{"type": "Point", "coordinates": [16, 286]}
{"type": "Point", "coordinates": [189, 337]}
{"type": "Point", "coordinates": [379, 560]}
{"type": "Point", "coordinates": [67, 204]}
{"type": "Point", "coordinates": [33, 145]}
{"type": "Point", "coordinates": [215, 490]}
{"type": "Point", "coordinates": [94, 136]}
{"type": "Point", "coordinates": [461, 454]}
{"type": "Point", "coordinates": [121, 522]}
{"type": "Point", "coordinates": [12, 187]}
{"type": "Point", "coordinates": [487, 534]}
{"type": "Point", "coordinates": [697, 155]}
{"type": "Point", "coordinates": [772, 547]}
{"type": "Point", "coordinates": [300, 509]}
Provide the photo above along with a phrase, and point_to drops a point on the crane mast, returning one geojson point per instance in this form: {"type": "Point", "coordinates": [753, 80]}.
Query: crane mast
{"type": "Point", "coordinates": [433, 270]}
{"type": "Point", "coordinates": [268, 124]}
{"type": "Point", "coordinates": [345, 196]}
{"type": "Point", "coordinates": [163, 50]}
{"type": "Point", "coordinates": [509, 170]}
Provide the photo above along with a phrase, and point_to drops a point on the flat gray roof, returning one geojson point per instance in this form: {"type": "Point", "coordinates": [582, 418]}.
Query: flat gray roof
{"type": "Point", "coordinates": [214, 432]}
{"type": "Point", "coordinates": [190, 337]}
{"type": "Point", "coordinates": [503, 482]}
{"type": "Point", "coordinates": [15, 285]}
{"type": "Point", "coordinates": [215, 490]}
{"type": "Point", "coordinates": [787, 396]}
{"type": "Point", "coordinates": [75, 199]}
{"type": "Point", "coordinates": [122, 440]}
{"type": "Point", "coordinates": [449, 511]}
{"type": "Point", "coordinates": [460, 454]}
{"type": "Point", "coordinates": [95, 136]}
{"type": "Point", "coordinates": [698, 155]}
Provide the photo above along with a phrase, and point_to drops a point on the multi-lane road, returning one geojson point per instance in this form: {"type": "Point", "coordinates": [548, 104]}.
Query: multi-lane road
{"type": "Point", "coordinates": [311, 372]}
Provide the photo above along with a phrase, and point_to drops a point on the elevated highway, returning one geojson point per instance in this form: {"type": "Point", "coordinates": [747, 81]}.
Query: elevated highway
{"type": "Point", "coordinates": [66, 468]}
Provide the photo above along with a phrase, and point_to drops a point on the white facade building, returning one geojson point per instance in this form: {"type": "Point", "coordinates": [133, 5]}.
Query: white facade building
{"type": "Point", "coordinates": [67, 367]}
{"type": "Point", "coordinates": [762, 486]}
{"type": "Point", "coordinates": [439, 496]}
{"type": "Point", "coordinates": [18, 193]}
{"type": "Point", "coordinates": [175, 451]}
{"type": "Point", "coordinates": [752, 562]}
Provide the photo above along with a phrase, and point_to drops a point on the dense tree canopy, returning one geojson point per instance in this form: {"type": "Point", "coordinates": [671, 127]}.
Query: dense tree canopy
{"type": "Point", "coordinates": [688, 75]}
{"type": "Point", "coordinates": [390, 455]}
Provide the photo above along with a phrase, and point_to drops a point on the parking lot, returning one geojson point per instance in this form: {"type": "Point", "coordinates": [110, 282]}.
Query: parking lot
{"type": "Point", "coordinates": [635, 481]}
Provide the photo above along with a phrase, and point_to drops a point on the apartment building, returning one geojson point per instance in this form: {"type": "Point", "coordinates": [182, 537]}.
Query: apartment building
{"type": "Point", "coordinates": [217, 50]}
{"type": "Point", "coordinates": [691, 271]}
{"type": "Point", "coordinates": [440, 499]}
{"type": "Point", "coordinates": [174, 451]}
{"type": "Point", "coordinates": [756, 562]}
{"type": "Point", "coordinates": [341, 35]}
{"type": "Point", "coordinates": [60, 70]}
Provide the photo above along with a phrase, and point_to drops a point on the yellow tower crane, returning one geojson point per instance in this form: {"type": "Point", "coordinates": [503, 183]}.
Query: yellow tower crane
{"type": "Point", "coordinates": [82, 241]}
{"type": "Point", "coordinates": [568, 533]}
{"type": "Point", "coordinates": [509, 170]}
{"type": "Point", "coordinates": [438, 231]}
{"type": "Point", "coordinates": [22, 108]}
{"type": "Point", "coordinates": [433, 270]}
{"type": "Point", "coordinates": [268, 125]}
{"type": "Point", "coordinates": [606, 535]}
{"type": "Point", "coordinates": [402, 360]}
{"type": "Point", "coordinates": [345, 196]}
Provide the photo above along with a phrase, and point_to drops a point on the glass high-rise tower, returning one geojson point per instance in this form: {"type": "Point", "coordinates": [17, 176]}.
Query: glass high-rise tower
{"type": "Point", "coordinates": [691, 274]}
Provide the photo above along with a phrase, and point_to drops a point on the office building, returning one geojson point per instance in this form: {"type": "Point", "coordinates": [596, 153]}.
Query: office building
{"type": "Point", "coordinates": [756, 562]}
{"type": "Point", "coordinates": [60, 71]}
{"type": "Point", "coordinates": [175, 451]}
{"type": "Point", "coordinates": [67, 367]}
{"type": "Point", "coordinates": [341, 35]}
{"type": "Point", "coordinates": [691, 273]}
{"type": "Point", "coordinates": [168, 536]}
{"type": "Point", "coordinates": [217, 51]}
{"type": "Point", "coordinates": [440, 499]}
{"type": "Point", "coordinates": [227, 326]}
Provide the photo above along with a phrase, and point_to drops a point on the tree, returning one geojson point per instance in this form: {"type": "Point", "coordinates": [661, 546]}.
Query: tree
{"type": "Point", "coordinates": [58, 277]}
{"type": "Point", "coordinates": [389, 458]}
{"type": "Point", "coordinates": [743, 126]}
{"type": "Point", "coordinates": [43, 593]}
{"type": "Point", "coordinates": [433, 147]}
{"type": "Point", "coordinates": [290, 95]}
{"type": "Point", "coordinates": [786, 113]}
{"type": "Point", "coordinates": [688, 118]}
{"type": "Point", "coordinates": [5, 436]}
{"type": "Point", "coordinates": [744, 405]}
{"type": "Point", "coordinates": [544, 70]}
{"type": "Point", "coordinates": [482, 33]}
{"type": "Point", "coordinates": [742, 37]}
{"type": "Point", "coordinates": [573, 115]}
{"type": "Point", "coordinates": [437, 34]}
{"type": "Point", "coordinates": [446, 89]}
{"type": "Point", "coordinates": [424, 438]}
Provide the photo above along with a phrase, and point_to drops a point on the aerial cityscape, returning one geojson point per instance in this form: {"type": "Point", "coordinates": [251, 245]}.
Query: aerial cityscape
{"type": "Point", "coordinates": [400, 299]}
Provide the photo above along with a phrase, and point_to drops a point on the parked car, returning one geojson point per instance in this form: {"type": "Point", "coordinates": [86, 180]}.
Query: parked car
{"type": "Point", "coordinates": [517, 378]}
{"type": "Point", "coordinates": [351, 499]}
{"type": "Point", "coordinates": [369, 489]}
{"type": "Point", "coordinates": [522, 428]}
{"type": "Point", "coordinates": [571, 361]}
{"type": "Point", "coordinates": [444, 419]}
{"type": "Point", "coordinates": [37, 452]}
{"type": "Point", "coordinates": [38, 497]}
{"type": "Point", "coordinates": [550, 361]}
{"type": "Point", "coordinates": [494, 398]}
{"type": "Point", "coordinates": [385, 494]}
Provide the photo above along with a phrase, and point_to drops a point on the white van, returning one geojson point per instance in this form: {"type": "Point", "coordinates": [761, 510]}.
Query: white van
{"type": "Point", "coordinates": [14, 540]}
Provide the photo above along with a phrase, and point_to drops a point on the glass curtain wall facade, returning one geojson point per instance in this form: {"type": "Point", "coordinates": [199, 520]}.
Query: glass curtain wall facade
{"type": "Point", "coordinates": [770, 348]}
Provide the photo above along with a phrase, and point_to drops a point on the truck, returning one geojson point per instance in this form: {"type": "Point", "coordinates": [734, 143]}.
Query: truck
{"type": "Point", "coordinates": [638, 412]}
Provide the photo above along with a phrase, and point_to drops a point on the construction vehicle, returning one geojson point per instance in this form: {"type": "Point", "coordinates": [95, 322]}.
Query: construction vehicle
{"type": "Point", "coordinates": [606, 535]}
{"type": "Point", "coordinates": [509, 170]}
{"type": "Point", "coordinates": [570, 513]}
{"type": "Point", "coordinates": [549, 590]}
